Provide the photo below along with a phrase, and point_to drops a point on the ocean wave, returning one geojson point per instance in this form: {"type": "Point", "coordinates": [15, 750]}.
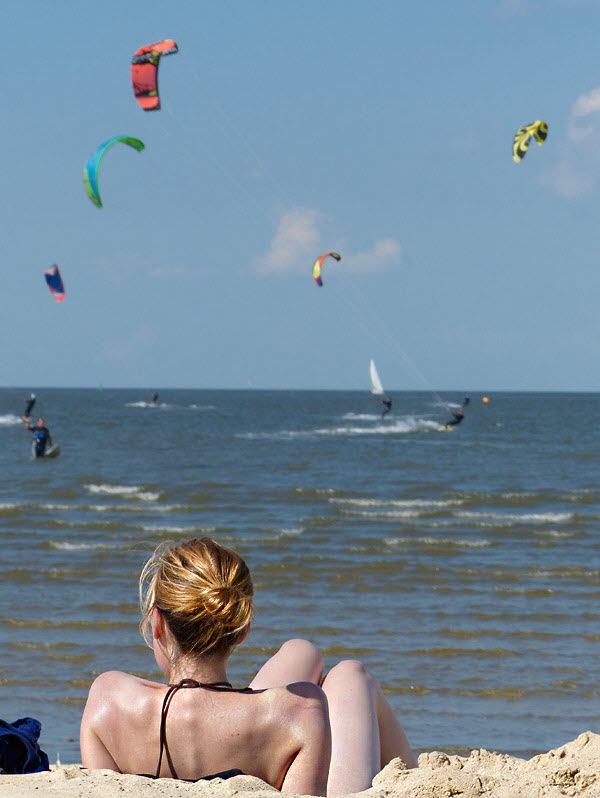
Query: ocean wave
{"type": "Point", "coordinates": [315, 491]}
{"type": "Point", "coordinates": [133, 491]}
{"type": "Point", "coordinates": [425, 503]}
{"type": "Point", "coordinates": [146, 404]}
{"type": "Point", "coordinates": [64, 545]}
{"type": "Point", "coordinates": [385, 513]}
{"type": "Point", "coordinates": [137, 508]}
{"type": "Point", "coordinates": [10, 420]}
{"type": "Point", "coordinates": [431, 541]}
{"type": "Point", "coordinates": [392, 427]}
{"type": "Point", "coordinates": [526, 518]}
{"type": "Point", "coordinates": [179, 530]}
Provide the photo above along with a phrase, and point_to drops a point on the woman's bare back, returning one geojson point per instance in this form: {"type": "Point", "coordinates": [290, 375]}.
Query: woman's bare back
{"type": "Point", "coordinates": [280, 735]}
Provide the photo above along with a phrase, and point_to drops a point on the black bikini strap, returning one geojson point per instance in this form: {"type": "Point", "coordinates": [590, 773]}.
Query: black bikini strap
{"type": "Point", "coordinates": [173, 688]}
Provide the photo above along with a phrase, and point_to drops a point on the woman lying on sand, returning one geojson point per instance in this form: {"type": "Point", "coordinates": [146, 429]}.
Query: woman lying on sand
{"type": "Point", "coordinates": [284, 728]}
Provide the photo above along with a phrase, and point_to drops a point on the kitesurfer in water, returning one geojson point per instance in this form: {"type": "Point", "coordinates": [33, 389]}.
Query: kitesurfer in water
{"type": "Point", "coordinates": [41, 435]}
{"type": "Point", "coordinates": [29, 406]}
{"type": "Point", "coordinates": [154, 399]}
{"type": "Point", "coordinates": [387, 403]}
{"type": "Point", "coordinates": [457, 417]}
{"type": "Point", "coordinates": [466, 400]}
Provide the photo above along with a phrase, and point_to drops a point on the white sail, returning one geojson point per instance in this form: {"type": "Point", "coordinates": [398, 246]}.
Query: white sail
{"type": "Point", "coordinates": [375, 381]}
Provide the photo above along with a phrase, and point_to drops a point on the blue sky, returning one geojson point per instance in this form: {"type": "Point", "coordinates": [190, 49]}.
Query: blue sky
{"type": "Point", "coordinates": [381, 129]}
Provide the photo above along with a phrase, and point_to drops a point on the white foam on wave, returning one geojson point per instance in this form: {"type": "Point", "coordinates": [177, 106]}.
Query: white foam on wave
{"type": "Point", "coordinates": [133, 508]}
{"type": "Point", "coordinates": [63, 545]}
{"type": "Point", "coordinates": [317, 491]}
{"type": "Point", "coordinates": [526, 518]}
{"type": "Point", "coordinates": [362, 416]}
{"type": "Point", "coordinates": [134, 491]}
{"type": "Point", "coordinates": [395, 426]}
{"type": "Point", "coordinates": [178, 530]}
{"type": "Point", "coordinates": [424, 503]}
{"type": "Point", "coordinates": [385, 513]}
{"type": "Point", "coordinates": [146, 404]}
{"type": "Point", "coordinates": [10, 420]}
{"type": "Point", "coordinates": [290, 532]}
{"type": "Point", "coordinates": [117, 490]}
{"type": "Point", "coordinates": [431, 541]}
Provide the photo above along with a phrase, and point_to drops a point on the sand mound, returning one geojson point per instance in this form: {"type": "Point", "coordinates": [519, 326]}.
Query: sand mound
{"type": "Point", "coordinates": [571, 770]}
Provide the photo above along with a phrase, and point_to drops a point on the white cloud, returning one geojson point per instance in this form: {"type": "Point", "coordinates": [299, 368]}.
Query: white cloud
{"type": "Point", "coordinates": [577, 170]}
{"type": "Point", "coordinates": [384, 254]}
{"type": "Point", "coordinates": [296, 245]}
{"type": "Point", "coordinates": [294, 242]}
{"type": "Point", "coordinates": [586, 104]}
{"type": "Point", "coordinates": [568, 180]}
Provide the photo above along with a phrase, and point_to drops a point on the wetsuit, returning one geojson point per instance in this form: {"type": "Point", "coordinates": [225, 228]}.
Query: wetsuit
{"type": "Point", "coordinates": [154, 399]}
{"type": "Point", "coordinates": [41, 436]}
{"type": "Point", "coordinates": [388, 406]}
{"type": "Point", "coordinates": [466, 401]}
{"type": "Point", "coordinates": [456, 419]}
{"type": "Point", "coordinates": [173, 688]}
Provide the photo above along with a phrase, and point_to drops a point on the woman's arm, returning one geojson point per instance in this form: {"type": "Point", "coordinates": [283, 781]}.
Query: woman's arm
{"type": "Point", "coordinates": [98, 714]}
{"type": "Point", "coordinates": [309, 722]}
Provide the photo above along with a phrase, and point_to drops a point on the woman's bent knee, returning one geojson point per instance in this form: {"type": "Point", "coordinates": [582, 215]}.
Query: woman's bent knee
{"type": "Point", "coordinates": [348, 671]}
{"type": "Point", "coordinates": [301, 647]}
{"type": "Point", "coordinates": [300, 650]}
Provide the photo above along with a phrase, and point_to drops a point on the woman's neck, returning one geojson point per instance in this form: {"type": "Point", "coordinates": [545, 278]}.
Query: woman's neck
{"type": "Point", "coordinates": [208, 670]}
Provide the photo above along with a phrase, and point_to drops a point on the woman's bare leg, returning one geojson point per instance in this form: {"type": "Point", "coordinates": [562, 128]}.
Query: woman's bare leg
{"type": "Point", "coordinates": [296, 661]}
{"type": "Point", "coordinates": [393, 740]}
{"type": "Point", "coordinates": [365, 733]}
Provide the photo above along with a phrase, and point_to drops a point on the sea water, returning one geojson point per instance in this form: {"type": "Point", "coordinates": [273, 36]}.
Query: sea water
{"type": "Point", "coordinates": [461, 567]}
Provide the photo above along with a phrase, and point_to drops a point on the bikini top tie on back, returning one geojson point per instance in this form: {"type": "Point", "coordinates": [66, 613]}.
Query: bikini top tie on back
{"type": "Point", "coordinates": [173, 688]}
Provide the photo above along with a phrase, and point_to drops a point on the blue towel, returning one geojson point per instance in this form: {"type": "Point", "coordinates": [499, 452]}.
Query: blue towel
{"type": "Point", "coordinates": [19, 749]}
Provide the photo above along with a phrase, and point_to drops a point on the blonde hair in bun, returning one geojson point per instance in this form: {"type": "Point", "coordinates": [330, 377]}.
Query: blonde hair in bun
{"type": "Point", "coordinates": [203, 590]}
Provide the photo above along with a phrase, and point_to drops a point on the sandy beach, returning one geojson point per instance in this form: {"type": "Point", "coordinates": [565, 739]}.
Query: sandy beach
{"type": "Point", "coordinates": [570, 770]}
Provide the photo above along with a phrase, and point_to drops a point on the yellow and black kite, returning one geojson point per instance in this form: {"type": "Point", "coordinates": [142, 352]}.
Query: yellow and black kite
{"type": "Point", "coordinates": [537, 130]}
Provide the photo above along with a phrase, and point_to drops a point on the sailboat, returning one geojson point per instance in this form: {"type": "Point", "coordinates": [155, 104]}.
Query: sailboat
{"type": "Point", "coordinates": [377, 387]}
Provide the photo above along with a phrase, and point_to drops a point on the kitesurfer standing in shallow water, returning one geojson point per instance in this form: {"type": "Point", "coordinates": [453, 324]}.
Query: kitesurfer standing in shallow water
{"type": "Point", "coordinates": [41, 435]}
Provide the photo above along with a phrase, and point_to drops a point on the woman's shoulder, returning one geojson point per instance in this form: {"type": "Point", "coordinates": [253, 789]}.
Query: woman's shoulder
{"type": "Point", "coordinates": [302, 701]}
{"type": "Point", "coordinates": [110, 688]}
{"type": "Point", "coordinates": [117, 679]}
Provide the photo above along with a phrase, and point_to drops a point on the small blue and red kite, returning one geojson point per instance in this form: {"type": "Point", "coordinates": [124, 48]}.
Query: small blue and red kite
{"type": "Point", "coordinates": [55, 283]}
